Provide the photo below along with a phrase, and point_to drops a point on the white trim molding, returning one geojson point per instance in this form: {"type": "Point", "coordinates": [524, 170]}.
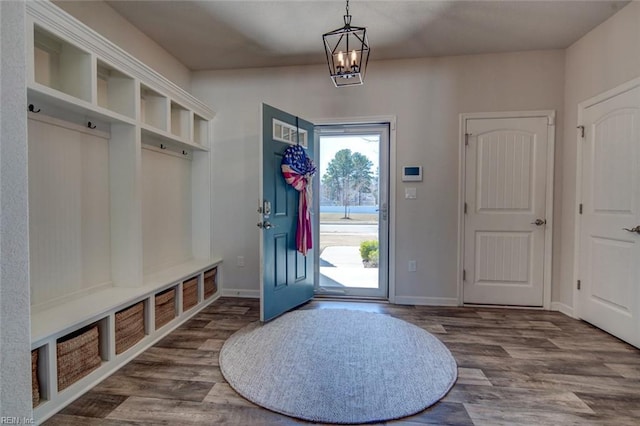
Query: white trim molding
{"type": "Point", "coordinates": [392, 120]}
{"type": "Point", "coordinates": [563, 309]}
{"type": "Point", "coordinates": [239, 292]}
{"type": "Point", "coordinates": [426, 301]}
{"type": "Point", "coordinates": [548, 241]}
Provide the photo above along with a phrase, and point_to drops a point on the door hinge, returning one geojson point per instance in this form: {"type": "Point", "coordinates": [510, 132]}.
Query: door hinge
{"type": "Point", "coordinates": [464, 275]}
{"type": "Point", "coordinates": [466, 138]}
{"type": "Point", "coordinates": [465, 208]}
{"type": "Point", "coordinates": [580, 208]}
{"type": "Point", "coordinates": [581, 128]}
{"type": "Point", "coordinates": [579, 284]}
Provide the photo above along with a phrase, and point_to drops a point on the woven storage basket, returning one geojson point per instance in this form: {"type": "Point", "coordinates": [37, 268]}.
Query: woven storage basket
{"type": "Point", "coordinates": [190, 293]}
{"type": "Point", "coordinates": [210, 284]}
{"type": "Point", "coordinates": [78, 355]}
{"type": "Point", "coordinates": [165, 307]}
{"type": "Point", "coordinates": [129, 327]}
{"type": "Point", "coordinates": [35, 383]}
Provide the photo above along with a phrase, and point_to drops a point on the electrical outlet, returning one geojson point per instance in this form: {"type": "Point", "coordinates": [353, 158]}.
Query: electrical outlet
{"type": "Point", "coordinates": [412, 266]}
{"type": "Point", "coordinates": [241, 261]}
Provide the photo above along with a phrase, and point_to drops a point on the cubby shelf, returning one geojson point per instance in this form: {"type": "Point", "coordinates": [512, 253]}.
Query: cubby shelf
{"type": "Point", "coordinates": [59, 320]}
{"type": "Point", "coordinates": [61, 65]}
{"type": "Point", "coordinates": [54, 103]}
{"type": "Point", "coordinates": [118, 222]}
{"type": "Point", "coordinates": [115, 90]}
{"type": "Point", "coordinates": [101, 307]}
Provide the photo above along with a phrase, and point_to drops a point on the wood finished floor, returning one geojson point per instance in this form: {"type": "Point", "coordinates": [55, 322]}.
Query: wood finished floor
{"type": "Point", "coordinates": [515, 367]}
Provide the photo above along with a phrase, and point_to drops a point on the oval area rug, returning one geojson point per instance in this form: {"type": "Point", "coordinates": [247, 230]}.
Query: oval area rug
{"type": "Point", "coordinates": [338, 366]}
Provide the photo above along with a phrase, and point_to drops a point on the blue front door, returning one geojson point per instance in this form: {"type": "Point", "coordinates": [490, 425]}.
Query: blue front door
{"type": "Point", "coordinates": [287, 275]}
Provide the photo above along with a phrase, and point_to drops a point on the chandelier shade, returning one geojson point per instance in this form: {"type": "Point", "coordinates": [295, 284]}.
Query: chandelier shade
{"type": "Point", "coordinates": [347, 51]}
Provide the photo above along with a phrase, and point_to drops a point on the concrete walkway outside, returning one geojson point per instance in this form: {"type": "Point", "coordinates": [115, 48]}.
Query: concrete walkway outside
{"type": "Point", "coordinates": [341, 266]}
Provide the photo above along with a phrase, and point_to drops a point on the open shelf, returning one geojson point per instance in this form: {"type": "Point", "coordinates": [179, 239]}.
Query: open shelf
{"type": "Point", "coordinates": [116, 90]}
{"type": "Point", "coordinates": [153, 108]}
{"type": "Point", "coordinates": [61, 65]}
{"type": "Point", "coordinates": [200, 130]}
{"type": "Point", "coordinates": [180, 121]}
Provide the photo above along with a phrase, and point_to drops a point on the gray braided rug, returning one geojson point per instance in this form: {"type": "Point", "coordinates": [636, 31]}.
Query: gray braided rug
{"type": "Point", "coordinates": [338, 366]}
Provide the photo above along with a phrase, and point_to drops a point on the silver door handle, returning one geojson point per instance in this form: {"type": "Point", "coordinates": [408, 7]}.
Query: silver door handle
{"type": "Point", "coordinates": [636, 229]}
{"type": "Point", "coordinates": [265, 225]}
{"type": "Point", "coordinates": [539, 222]}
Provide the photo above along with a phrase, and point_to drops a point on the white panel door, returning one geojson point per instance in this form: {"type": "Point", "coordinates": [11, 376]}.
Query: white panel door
{"type": "Point", "coordinates": [505, 173]}
{"type": "Point", "coordinates": [609, 267]}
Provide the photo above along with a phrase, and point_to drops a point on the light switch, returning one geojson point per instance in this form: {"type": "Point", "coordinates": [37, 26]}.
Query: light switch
{"type": "Point", "coordinates": [410, 193]}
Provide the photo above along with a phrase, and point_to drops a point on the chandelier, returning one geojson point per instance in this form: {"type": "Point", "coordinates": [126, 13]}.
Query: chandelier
{"type": "Point", "coordinates": [347, 51]}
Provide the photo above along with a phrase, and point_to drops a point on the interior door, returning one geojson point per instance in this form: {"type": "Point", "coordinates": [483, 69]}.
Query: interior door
{"type": "Point", "coordinates": [505, 199]}
{"type": "Point", "coordinates": [609, 266]}
{"type": "Point", "coordinates": [287, 275]}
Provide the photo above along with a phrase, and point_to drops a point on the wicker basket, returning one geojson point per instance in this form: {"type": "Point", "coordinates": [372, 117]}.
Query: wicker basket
{"type": "Point", "coordinates": [78, 355]}
{"type": "Point", "coordinates": [189, 294]}
{"type": "Point", "coordinates": [129, 327]}
{"type": "Point", "coordinates": [210, 284]}
{"type": "Point", "coordinates": [35, 383]}
{"type": "Point", "coordinates": [165, 307]}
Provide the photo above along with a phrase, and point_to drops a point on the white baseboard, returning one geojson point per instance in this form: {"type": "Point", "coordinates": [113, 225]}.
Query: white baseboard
{"type": "Point", "coordinates": [428, 301]}
{"type": "Point", "coordinates": [237, 292]}
{"type": "Point", "coordinates": [562, 308]}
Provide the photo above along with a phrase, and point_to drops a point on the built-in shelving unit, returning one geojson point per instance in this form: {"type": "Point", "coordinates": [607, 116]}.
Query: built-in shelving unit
{"type": "Point", "coordinates": [120, 204]}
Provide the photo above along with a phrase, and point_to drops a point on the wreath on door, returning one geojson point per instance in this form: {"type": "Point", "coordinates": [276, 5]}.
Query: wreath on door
{"type": "Point", "coordinates": [298, 170]}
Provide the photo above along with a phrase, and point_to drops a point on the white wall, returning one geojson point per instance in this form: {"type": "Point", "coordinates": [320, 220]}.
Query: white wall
{"type": "Point", "coordinates": [107, 22]}
{"type": "Point", "coordinates": [601, 60]}
{"type": "Point", "coordinates": [426, 95]}
{"type": "Point", "coordinates": [15, 328]}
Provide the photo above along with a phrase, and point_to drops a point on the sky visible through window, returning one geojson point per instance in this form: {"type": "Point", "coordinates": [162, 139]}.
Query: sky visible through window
{"type": "Point", "coordinates": [368, 145]}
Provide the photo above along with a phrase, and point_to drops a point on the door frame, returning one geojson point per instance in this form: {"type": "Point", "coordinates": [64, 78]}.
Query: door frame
{"type": "Point", "coordinates": [550, 115]}
{"type": "Point", "coordinates": [391, 119]}
{"type": "Point", "coordinates": [606, 95]}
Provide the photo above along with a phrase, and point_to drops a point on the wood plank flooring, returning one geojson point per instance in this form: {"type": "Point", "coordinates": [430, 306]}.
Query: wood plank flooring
{"type": "Point", "coordinates": [515, 367]}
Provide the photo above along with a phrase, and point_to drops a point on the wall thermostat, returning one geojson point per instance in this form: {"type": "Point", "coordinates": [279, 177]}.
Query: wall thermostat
{"type": "Point", "coordinates": [412, 173]}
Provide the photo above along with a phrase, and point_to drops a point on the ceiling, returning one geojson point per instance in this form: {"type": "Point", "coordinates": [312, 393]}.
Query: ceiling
{"type": "Point", "coordinates": [227, 34]}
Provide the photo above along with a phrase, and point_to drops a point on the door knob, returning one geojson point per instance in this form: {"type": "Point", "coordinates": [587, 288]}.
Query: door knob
{"type": "Point", "coordinates": [539, 222]}
{"type": "Point", "coordinates": [636, 229]}
{"type": "Point", "coordinates": [265, 225]}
